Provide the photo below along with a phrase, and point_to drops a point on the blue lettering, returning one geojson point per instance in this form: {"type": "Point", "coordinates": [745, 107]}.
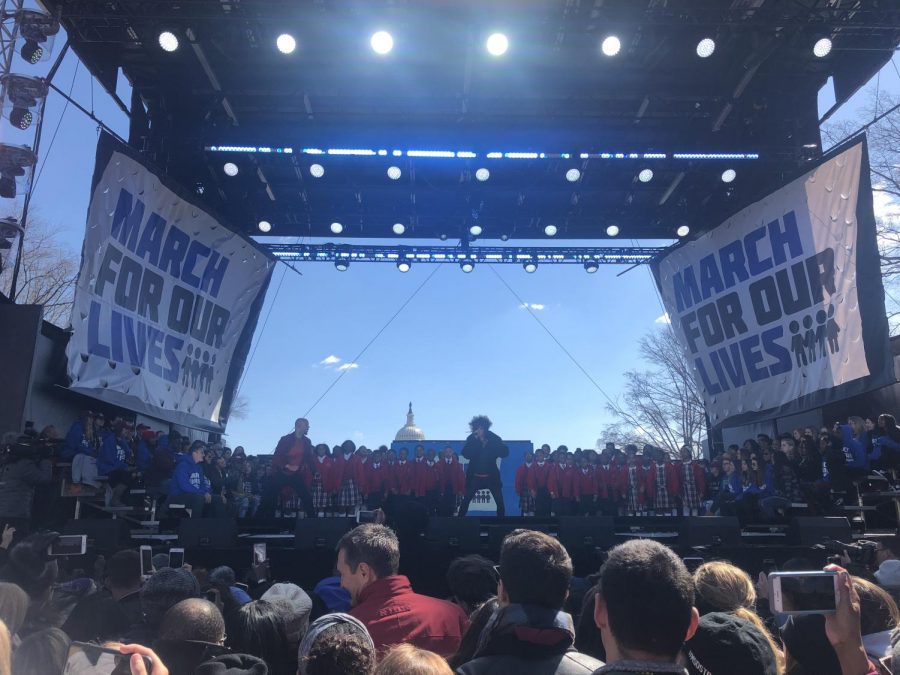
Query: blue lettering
{"type": "Point", "coordinates": [151, 239]}
{"type": "Point", "coordinates": [172, 346]}
{"type": "Point", "coordinates": [115, 323]}
{"type": "Point", "coordinates": [126, 222]}
{"type": "Point", "coordinates": [772, 347]}
{"type": "Point", "coordinates": [753, 357]}
{"type": "Point", "coordinates": [94, 344]}
{"type": "Point", "coordinates": [751, 246]}
{"type": "Point", "coordinates": [684, 284]}
{"type": "Point", "coordinates": [195, 250]}
{"type": "Point", "coordinates": [734, 267]}
{"type": "Point", "coordinates": [711, 389]}
{"type": "Point", "coordinates": [154, 350]}
{"type": "Point", "coordinates": [788, 237]}
{"type": "Point", "coordinates": [710, 281]}
{"type": "Point", "coordinates": [213, 274]}
{"type": "Point", "coordinates": [173, 251]}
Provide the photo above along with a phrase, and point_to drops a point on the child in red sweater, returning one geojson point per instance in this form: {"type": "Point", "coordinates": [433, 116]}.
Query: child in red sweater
{"type": "Point", "coordinates": [523, 479]}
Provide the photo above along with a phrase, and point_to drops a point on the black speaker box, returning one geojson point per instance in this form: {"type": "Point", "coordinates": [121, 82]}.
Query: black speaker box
{"type": "Point", "coordinates": [320, 533]}
{"type": "Point", "coordinates": [809, 530]}
{"type": "Point", "coordinates": [207, 532]}
{"type": "Point", "coordinates": [587, 533]}
{"type": "Point", "coordinates": [456, 533]}
{"type": "Point", "coordinates": [719, 531]}
{"type": "Point", "coordinates": [103, 534]}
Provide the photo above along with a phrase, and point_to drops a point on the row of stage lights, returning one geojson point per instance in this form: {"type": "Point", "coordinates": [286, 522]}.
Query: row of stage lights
{"type": "Point", "coordinates": [497, 44]}
{"type": "Point", "coordinates": [468, 266]}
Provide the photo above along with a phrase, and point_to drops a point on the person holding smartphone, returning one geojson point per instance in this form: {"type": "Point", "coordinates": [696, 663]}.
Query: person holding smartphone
{"type": "Point", "coordinates": [483, 448]}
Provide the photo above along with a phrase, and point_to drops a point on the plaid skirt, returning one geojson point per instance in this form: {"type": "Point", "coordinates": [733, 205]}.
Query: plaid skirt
{"type": "Point", "coordinates": [349, 494]}
{"type": "Point", "coordinates": [689, 497]}
{"type": "Point", "coordinates": [320, 496]}
{"type": "Point", "coordinates": [633, 502]}
{"type": "Point", "coordinates": [526, 503]}
{"type": "Point", "coordinates": [663, 500]}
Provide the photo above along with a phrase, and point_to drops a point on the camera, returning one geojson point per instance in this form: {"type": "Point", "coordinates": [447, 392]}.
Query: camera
{"type": "Point", "coordinates": [861, 552]}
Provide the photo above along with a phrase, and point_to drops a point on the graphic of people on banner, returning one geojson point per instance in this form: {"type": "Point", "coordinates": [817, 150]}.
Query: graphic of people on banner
{"type": "Point", "coordinates": [768, 305]}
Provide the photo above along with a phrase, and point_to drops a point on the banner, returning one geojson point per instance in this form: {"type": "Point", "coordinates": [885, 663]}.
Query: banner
{"type": "Point", "coordinates": [167, 297]}
{"type": "Point", "coordinates": [781, 307]}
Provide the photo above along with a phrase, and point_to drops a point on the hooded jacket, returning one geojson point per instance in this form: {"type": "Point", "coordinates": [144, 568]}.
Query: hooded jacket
{"type": "Point", "coordinates": [188, 478]}
{"type": "Point", "coordinates": [483, 457]}
{"type": "Point", "coordinates": [526, 640]}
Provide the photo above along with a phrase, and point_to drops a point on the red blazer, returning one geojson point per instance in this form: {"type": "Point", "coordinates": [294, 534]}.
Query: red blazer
{"type": "Point", "coordinates": [326, 470]}
{"type": "Point", "coordinates": [673, 485]}
{"type": "Point", "coordinates": [699, 478]}
{"type": "Point", "coordinates": [523, 478]}
{"type": "Point", "coordinates": [640, 482]}
{"type": "Point", "coordinates": [427, 478]}
{"type": "Point", "coordinates": [619, 481]}
{"type": "Point", "coordinates": [606, 488]}
{"type": "Point", "coordinates": [405, 477]}
{"type": "Point", "coordinates": [585, 484]}
{"type": "Point", "coordinates": [561, 481]}
{"type": "Point", "coordinates": [346, 469]}
{"type": "Point", "coordinates": [288, 451]}
{"type": "Point", "coordinates": [390, 477]}
{"type": "Point", "coordinates": [451, 476]}
{"type": "Point", "coordinates": [395, 615]}
{"type": "Point", "coordinates": [539, 476]}
{"type": "Point", "coordinates": [376, 479]}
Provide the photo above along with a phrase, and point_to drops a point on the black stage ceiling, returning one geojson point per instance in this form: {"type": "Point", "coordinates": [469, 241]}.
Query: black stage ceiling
{"type": "Point", "coordinates": [553, 93]}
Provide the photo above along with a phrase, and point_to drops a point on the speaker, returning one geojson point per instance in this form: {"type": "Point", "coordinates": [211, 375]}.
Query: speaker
{"type": "Point", "coordinates": [719, 531]}
{"type": "Point", "coordinates": [809, 530]}
{"type": "Point", "coordinates": [103, 534]}
{"type": "Point", "coordinates": [320, 533]}
{"type": "Point", "coordinates": [455, 533]}
{"type": "Point", "coordinates": [207, 532]}
{"type": "Point", "coordinates": [587, 533]}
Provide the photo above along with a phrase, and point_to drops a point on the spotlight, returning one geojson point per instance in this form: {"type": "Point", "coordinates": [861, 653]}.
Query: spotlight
{"type": "Point", "coordinates": [572, 175]}
{"type": "Point", "coordinates": [706, 47]}
{"type": "Point", "coordinates": [822, 48]}
{"type": "Point", "coordinates": [399, 228]}
{"type": "Point", "coordinates": [443, 237]}
{"type": "Point", "coordinates": [337, 228]}
{"type": "Point", "coordinates": [16, 161]}
{"type": "Point", "coordinates": [230, 169]}
{"type": "Point", "coordinates": [394, 172]}
{"type": "Point", "coordinates": [683, 231]}
{"type": "Point", "coordinates": [21, 118]}
{"type": "Point", "coordinates": [22, 98]}
{"type": "Point", "coordinates": [317, 170]}
{"type": "Point", "coordinates": [467, 266]}
{"type": "Point", "coordinates": [36, 29]}
{"type": "Point", "coordinates": [611, 45]}
{"type": "Point", "coordinates": [612, 231]}
{"type": "Point", "coordinates": [286, 43]}
{"type": "Point", "coordinates": [482, 174]}
{"type": "Point", "coordinates": [403, 266]}
{"type": "Point", "coordinates": [497, 44]}
{"type": "Point", "coordinates": [530, 267]}
{"type": "Point", "coordinates": [382, 42]}
{"type": "Point", "coordinates": [504, 237]}
{"type": "Point", "coordinates": [341, 265]}
{"type": "Point", "coordinates": [168, 41]}
{"type": "Point", "coordinates": [32, 52]}
{"type": "Point", "coordinates": [264, 226]}
{"type": "Point", "coordinates": [646, 175]}
{"type": "Point", "coordinates": [475, 230]}
{"type": "Point", "coordinates": [591, 266]}
{"type": "Point", "coordinates": [550, 230]}
{"type": "Point", "coordinates": [728, 175]}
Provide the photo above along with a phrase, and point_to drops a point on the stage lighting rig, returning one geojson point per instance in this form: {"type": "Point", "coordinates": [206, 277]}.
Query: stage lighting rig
{"type": "Point", "coordinates": [530, 267]}
{"type": "Point", "coordinates": [467, 266]}
{"type": "Point", "coordinates": [612, 231]}
{"type": "Point", "coordinates": [36, 30]}
{"type": "Point", "coordinates": [16, 166]}
{"type": "Point", "coordinates": [398, 228]}
{"type": "Point", "coordinates": [264, 226]}
{"type": "Point", "coordinates": [22, 98]}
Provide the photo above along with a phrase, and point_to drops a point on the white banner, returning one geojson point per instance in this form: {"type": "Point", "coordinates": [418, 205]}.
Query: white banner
{"type": "Point", "coordinates": [767, 305]}
{"type": "Point", "coordinates": [163, 298]}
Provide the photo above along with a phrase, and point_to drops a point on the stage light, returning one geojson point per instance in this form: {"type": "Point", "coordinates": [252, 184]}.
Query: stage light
{"type": "Point", "coordinates": [728, 175]}
{"type": "Point", "coordinates": [591, 266]}
{"type": "Point", "coordinates": [550, 230]}
{"type": "Point", "coordinates": [572, 175]}
{"type": "Point", "coordinates": [16, 168]}
{"type": "Point", "coordinates": [337, 228]}
{"type": "Point", "coordinates": [611, 45]}
{"type": "Point", "coordinates": [32, 52]}
{"type": "Point", "coordinates": [22, 99]}
{"type": "Point", "coordinates": [286, 43]}
{"type": "Point", "coordinates": [394, 172]}
{"type": "Point", "coordinates": [822, 48]}
{"type": "Point", "coordinates": [475, 230]}
{"type": "Point", "coordinates": [382, 42]}
{"type": "Point", "coordinates": [341, 265]}
{"type": "Point", "coordinates": [683, 231]}
{"type": "Point", "coordinates": [264, 226]}
{"type": "Point", "coordinates": [504, 237]}
{"type": "Point", "coordinates": [482, 174]}
{"type": "Point", "coordinates": [168, 41]}
{"type": "Point", "coordinates": [230, 169]}
{"type": "Point", "coordinates": [36, 29]}
{"type": "Point", "coordinates": [403, 266]}
{"type": "Point", "coordinates": [646, 175]}
{"type": "Point", "coordinates": [317, 170]}
{"type": "Point", "coordinates": [399, 228]}
{"type": "Point", "coordinates": [443, 237]}
{"type": "Point", "coordinates": [706, 47]}
{"type": "Point", "coordinates": [612, 231]}
{"type": "Point", "coordinates": [530, 267]}
{"type": "Point", "coordinates": [497, 44]}
{"type": "Point", "coordinates": [467, 266]}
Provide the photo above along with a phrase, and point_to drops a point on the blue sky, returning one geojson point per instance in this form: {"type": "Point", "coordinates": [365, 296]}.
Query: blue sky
{"type": "Point", "coordinates": [463, 346]}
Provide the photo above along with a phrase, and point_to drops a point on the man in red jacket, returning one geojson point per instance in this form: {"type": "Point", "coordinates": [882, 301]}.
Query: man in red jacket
{"type": "Point", "coordinates": [292, 463]}
{"type": "Point", "coordinates": [367, 560]}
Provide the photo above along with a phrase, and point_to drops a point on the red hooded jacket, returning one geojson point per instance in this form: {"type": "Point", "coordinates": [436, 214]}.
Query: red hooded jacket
{"type": "Point", "coordinates": [561, 481]}
{"type": "Point", "coordinates": [405, 477]}
{"type": "Point", "coordinates": [428, 477]}
{"type": "Point", "coordinates": [523, 478]}
{"type": "Point", "coordinates": [540, 476]}
{"type": "Point", "coordinates": [452, 476]}
{"type": "Point", "coordinates": [377, 479]}
{"type": "Point", "coordinates": [585, 484]}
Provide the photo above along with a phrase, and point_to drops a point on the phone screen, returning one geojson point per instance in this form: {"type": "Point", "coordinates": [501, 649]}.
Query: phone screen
{"type": "Point", "coordinates": [365, 516]}
{"type": "Point", "coordinates": [69, 544]}
{"type": "Point", "coordinates": [146, 561]}
{"type": "Point", "coordinates": [808, 593]}
{"type": "Point", "coordinates": [176, 558]}
{"type": "Point", "coordinates": [88, 659]}
{"type": "Point", "coordinates": [259, 554]}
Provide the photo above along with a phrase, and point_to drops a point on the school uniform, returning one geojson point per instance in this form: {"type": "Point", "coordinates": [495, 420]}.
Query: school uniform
{"type": "Point", "coordinates": [585, 489]}
{"type": "Point", "coordinates": [526, 500]}
{"type": "Point", "coordinates": [540, 483]}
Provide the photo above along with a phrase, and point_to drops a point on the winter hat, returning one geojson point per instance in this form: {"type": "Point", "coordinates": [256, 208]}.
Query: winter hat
{"type": "Point", "coordinates": [296, 605]}
{"type": "Point", "coordinates": [727, 645]}
{"type": "Point", "coordinates": [804, 638]}
{"type": "Point", "coordinates": [159, 561]}
{"type": "Point", "coordinates": [888, 574]}
{"type": "Point", "coordinates": [29, 566]}
{"type": "Point", "coordinates": [164, 590]}
{"type": "Point", "coordinates": [222, 576]}
{"type": "Point", "coordinates": [233, 664]}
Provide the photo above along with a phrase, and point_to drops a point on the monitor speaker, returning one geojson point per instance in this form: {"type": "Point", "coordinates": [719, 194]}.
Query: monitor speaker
{"type": "Point", "coordinates": [587, 533]}
{"type": "Point", "coordinates": [320, 533]}
{"type": "Point", "coordinates": [104, 534]}
{"type": "Point", "coordinates": [720, 531]}
{"type": "Point", "coordinates": [207, 532]}
{"type": "Point", "coordinates": [463, 534]}
{"type": "Point", "coordinates": [809, 530]}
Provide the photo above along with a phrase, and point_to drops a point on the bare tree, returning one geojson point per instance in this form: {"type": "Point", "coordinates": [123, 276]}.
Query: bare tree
{"type": "Point", "coordinates": [662, 406]}
{"type": "Point", "coordinates": [240, 408]}
{"type": "Point", "coordinates": [47, 274]}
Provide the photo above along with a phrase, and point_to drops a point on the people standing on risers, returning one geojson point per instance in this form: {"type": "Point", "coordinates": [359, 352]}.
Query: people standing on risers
{"type": "Point", "coordinates": [483, 448]}
{"type": "Point", "coordinates": [633, 482]}
{"type": "Point", "coordinates": [376, 479]}
{"type": "Point", "coordinates": [585, 488]}
{"type": "Point", "coordinates": [349, 471]}
{"type": "Point", "coordinates": [291, 465]}
{"type": "Point", "coordinates": [427, 483]}
{"type": "Point", "coordinates": [691, 483]}
{"type": "Point", "coordinates": [452, 482]}
{"type": "Point", "coordinates": [561, 487]}
{"type": "Point", "coordinates": [540, 483]}
{"type": "Point", "coordinates": [321, 486]}
{"type": "Point", "coordinates": [404, 477]}
{"type": "Point", "coordinates": [665, 486]}
{"type": "Point", "coordinates": [523, 482]}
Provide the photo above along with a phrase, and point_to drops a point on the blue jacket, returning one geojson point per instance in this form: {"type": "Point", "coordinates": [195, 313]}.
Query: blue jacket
{"type": "Point", "coordinates": [855, 448]}
{"type": "Point", "coordinates": [731, 484]}
{"type": "Point", "coordinates": [188, 478]}
{"type": "Point", "coordinates": [880, 442]}
{"type": "Point", "coordinates": [113, 455]}
{"type": "Point", "coordinates": [76, 443]}
{"type": "Point", "coordinates": [143, 457]}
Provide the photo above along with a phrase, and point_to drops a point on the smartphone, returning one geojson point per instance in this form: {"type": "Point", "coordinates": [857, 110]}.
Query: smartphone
{"type": "Point", "coordinates": [800, 593]}
{"type": "Point", "coordinates": [69, 544]}
{"type": "Point", "coordinates": [176, 558]}
{"type": "Point", "coordinates": [88, 659]}
{"type": "Point", "coordinates": [692, 563]}
{"type": "Point", "coordinates": [769, 566]}
{"type": "Point", "coordinates": [365, 517]}
{"type": "Point", "coordinates": [259, 554]}
{"type": "Point", "coordinates": [146, 561]}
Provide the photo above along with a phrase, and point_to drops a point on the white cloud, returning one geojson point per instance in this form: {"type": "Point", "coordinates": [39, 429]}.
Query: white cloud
{"type": "Point", "coordinates": [348, 366]}
{"type": "Point", "coordinates": [663, 319]}
{"type": "Point", "coordinates": [534, 306]}
{"type": "Point", "coordinates": [886, 207]}
{"type": "Point", "coordinates": [330, 360]}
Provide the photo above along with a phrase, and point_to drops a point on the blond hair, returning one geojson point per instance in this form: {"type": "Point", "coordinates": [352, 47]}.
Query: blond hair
{"type": "Point", "coordinates": [5, 651]}
{"type": "Point", "coordinates": [408, 660]}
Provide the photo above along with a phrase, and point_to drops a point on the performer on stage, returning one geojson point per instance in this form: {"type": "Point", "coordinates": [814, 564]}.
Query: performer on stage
{"type": "Point", "coordinates": [293, 458]}
{"type": "Point", "coordinates": [483, 448]}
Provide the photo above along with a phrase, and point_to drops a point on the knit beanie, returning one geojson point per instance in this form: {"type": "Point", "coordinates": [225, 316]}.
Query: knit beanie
{"type": "Point", "coordinates": [165, 589]}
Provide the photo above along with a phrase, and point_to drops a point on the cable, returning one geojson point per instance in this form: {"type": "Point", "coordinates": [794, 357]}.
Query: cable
{"type": "Point", "coordinates": [559, 344]}
{"type": "Point", "coordinates": [375, 337]}
{"type": "Point", "coordinates": [58, 124]}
